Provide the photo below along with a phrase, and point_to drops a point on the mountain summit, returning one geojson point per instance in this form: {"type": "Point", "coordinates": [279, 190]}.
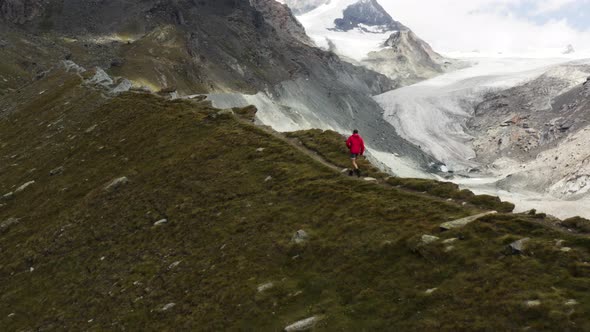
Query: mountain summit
{"type": "Point", "coordinates": [368, 16]}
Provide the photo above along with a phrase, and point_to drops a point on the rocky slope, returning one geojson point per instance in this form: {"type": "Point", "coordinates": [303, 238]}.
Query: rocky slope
{"type": "Point", "coordinates": [114, 215]}
{"type": "Point", "coordinates": [408, 59]}
{"type": "Point", "coordinates": [303, 6]}
{"type": "Point", "coordinates": [367, 16]}
{"type": "Point", "coordinates": [241, 48]}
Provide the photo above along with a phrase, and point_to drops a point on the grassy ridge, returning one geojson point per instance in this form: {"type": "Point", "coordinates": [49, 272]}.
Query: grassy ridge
{"type": "Point", "coordinates": [85, 258]}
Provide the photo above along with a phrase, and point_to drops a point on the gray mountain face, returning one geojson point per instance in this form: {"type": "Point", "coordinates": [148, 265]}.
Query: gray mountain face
{"type": "Point", "coordinates": [300, 7]}
{"type": "Point", "coordinates": [543, 128]}
{"type": "Point", "coordinates": [369, 16]}
{"type": "Point", "coordinates": [234, 47]}
{"type": "Point", "coordinates": [408, 59]}
{"type": "Point", "coordinates": [20, 11]}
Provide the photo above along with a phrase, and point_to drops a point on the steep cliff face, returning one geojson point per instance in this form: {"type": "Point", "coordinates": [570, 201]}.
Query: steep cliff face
{"type": "Point", "coordinates": [20, 11]}
{"type": "Point", "coordinates": [368, 16]}
{"type": "Point", "coordinates": [280, 17]}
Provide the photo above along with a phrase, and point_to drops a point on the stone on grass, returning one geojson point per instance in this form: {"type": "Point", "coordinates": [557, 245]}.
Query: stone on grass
{"type": "Point", "coordinates": [566, 249]}
{"type": "Point", "coordinates": [168, 306]}
{"type": "Point", "coordinates": [24, 186]}
{"type": "Point", "coordinates": [90, 129]}
{"type": "Point", "coordinates": [265, 286]}
{"type": "Point", "coordinates": [8, 222]}
{"type": "Point", "coordinates": [430, 291]}
{"type": "Point", "coordinates": [571, 302]}
{"type": "Point", "coordinates": [426, 239]}
{"type": "Point", "coordinates": [300, 236]}
{"type": "Point", "coordinates": [117, 183]}
{"type": "Point", "coordinates": [8, 196]}
{"type": "Point", "coordinates": [518, 247]}
{"type": "Point", "coordinates": [56, 171]}
{"type": "Point", "coordinates": [533, 303]}
{"type": "Point", "coordinates": [303, 325]}
{"type": "Point", "coordinates": [463, 221]}
{"type": "Point", "coordinates": [173, 265]}
{"type": "Point", "coordinates": [260, 150]}
{"type": "Point", "coordinates": [449, 248]}
{"type": "Point", "coordinates": [451, 240]}
{"type": "Point", "coordinates": [161, 222]}
{"type": "Point", "coordinates": [268, 178]}
{"type": "Point", "coordinates": [370, 179]}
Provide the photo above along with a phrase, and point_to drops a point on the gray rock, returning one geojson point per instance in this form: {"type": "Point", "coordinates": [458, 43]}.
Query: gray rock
{"type": "Point", "coordinates": [168, 306]}
{"type": "Point", "coordinates": [571, 302]}
{"type": "Point", "coordinates": [161, 222]}
{"type": "Point", "coordinates": [430, 291]}
{"type": "Point", "coordinates": [8, 196]}
{"type": "Point", "coordinates": [265, 286]}
{"type": "Point", "coordinates": [24, 186]}
{"type": "Point", "coordinates": [101, 78]}
{"type": "Point", "coordinates": [566, 249]}
{"type": "Point", "coordinates": [303, 325]}
{"type": "Point", "coordinates": [451, 240]}
{"type": "Point", "coordinates": [463, 221]}
{"type": "Point", "coordinates": [532, 303]}
{"type": "Point", "coordinates": [90, 129]}
{"type": "Point", "coordinates": [260, 150]}
{"type": "Point", "coordinates": [268, 178]}
{"type": "Point", "coordinates": [173, 265]}
{"type": "Point", "coordinates": [518, 247]}
{"type": "Point", "coordinates": [300, 236]}
{"type": "Point", "coordinates": [8, 222]}
{"type": "Point", "coordinates": [369, 179]}
{"type": "Point", "coordinates": [426, 239]}
{"type": "Point", "coordinates": [124, 86]}
{"type": "Point", "coordinates": [117, 183]}
{"type": "Point", "coordinates": [56, 171]}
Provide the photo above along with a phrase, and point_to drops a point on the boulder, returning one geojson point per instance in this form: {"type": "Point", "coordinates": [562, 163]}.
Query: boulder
{"type": "Point", "coordinates": [303, 325]}
{"type": "Point", "coordinates": [24, 186]}
{"type": "Point", "coordinates": [117, 183]}
{"type": "Point", "coordinates": [300, 236]}
{"type": "Point", "coordinates": [426, 239]}
{"type": "Point", "coordinates": [518, 247]}
{"type": "Point", "coordinates": [463, 221]}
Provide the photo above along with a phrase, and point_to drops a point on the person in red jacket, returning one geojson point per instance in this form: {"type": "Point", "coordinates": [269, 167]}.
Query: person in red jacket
{"type": "Point", "coordinates": [356, 145]}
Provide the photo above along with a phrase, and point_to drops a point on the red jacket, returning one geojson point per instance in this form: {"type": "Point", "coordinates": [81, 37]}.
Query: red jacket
{"type": "Point", "coordinates": [356, 144]}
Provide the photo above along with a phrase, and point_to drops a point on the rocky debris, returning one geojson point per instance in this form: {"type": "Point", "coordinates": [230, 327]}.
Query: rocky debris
{"type": "Point", "coordinates": [260, 150]}
{"type": "Point", "coordinates": [56, 171]}
{"type": "Point", "coordinates": [71, 66]}
{"type": "Point", "coordinates": [463, 221]}
{"type": "Point", "coordinates": [173, 265]}
{"type": "Point", "coordinates": [101, 78]}
{"type": "Point", "coordinates": [9, 222]}
{"type": "Point", "coordinates": [303, 325]}
{"type": "Point", "coordinates": [518, 247]}
{"type": "Point", "coordinates": [265, 286]}
{"type": "Point", "coordinates": [268, 178]}
{"type": "Point", "coordinates": [571, 302]}
{"type": "Point", "coordinates": [168, 306]}
{"type": "Point", "coordinates": [227, 111]}
{"type": "Point", "coordinates": [369, 179]}
{"type": "Point", "coordinates": [161, 222]}
{"type": "Point", "coordinates": [124, 86]}
{"type": "Point", "coordinates": [426, 239]}
{"type": "Point", "coordinates": [565, 249]}
{"type": "Point", "coordinates": [451, 240]}
{"type": "Point", "coordinates": [24, 186]}
{"type": "Point", "coordinates": [301, 7]}
{"type": "Point", "coordinates": [430, 291]}
{"type": "Point", "coordinates": [300, 236]}
{"type": "Point", "coordinates": [117, 183]}
{"type": "Point", "coordinates": [532, 303]}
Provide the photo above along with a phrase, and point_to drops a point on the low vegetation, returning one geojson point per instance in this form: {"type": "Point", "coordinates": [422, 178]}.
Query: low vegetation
{"type": "Point", "coordinates": [76, 256]}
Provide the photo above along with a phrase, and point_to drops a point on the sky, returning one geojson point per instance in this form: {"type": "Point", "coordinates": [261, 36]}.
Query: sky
{"type": "Point", "coordinates": [507, 26]}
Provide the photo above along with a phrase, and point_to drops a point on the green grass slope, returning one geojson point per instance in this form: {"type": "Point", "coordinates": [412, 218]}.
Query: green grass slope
{"type": "Point", "coordinates": [75, 256]}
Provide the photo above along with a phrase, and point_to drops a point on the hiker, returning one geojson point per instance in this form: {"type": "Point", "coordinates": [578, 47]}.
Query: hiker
{"type": "Point", "coordinates": [356, 145]}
